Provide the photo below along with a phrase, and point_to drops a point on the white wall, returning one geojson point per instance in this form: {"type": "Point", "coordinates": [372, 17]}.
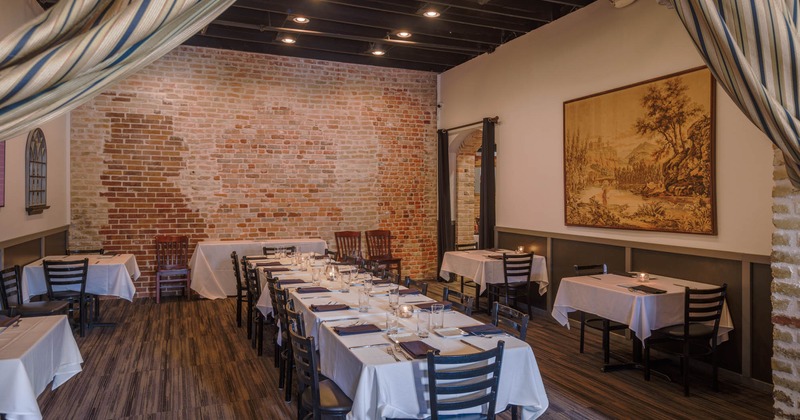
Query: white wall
{"type": "Point", "coordinates": [598, 48]}
{"type": "Point", "coordinates": [14, 220]}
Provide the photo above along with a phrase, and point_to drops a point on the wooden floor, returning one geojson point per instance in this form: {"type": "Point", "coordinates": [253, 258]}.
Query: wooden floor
{"type": "Point", "coordinates": [181, 359]}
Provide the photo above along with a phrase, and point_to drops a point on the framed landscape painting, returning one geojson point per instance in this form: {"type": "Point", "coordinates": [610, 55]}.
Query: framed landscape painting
{"type": "Point", "coordinates": [642, 156]}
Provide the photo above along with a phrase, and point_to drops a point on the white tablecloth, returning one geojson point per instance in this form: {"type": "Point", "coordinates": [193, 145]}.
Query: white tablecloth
{"type": "Point", "coordinates": [38, 351]}
{"type": "Point", "coordinates": [643, 313]}
{"type": "Point", "coordinates": [109, 275]}
{"type": "Point", "coordinates": [477, 266]}
{"type": "Point", "coordinates": [381, 387]}
{"type": "Point", "coordinates": [212, 272]}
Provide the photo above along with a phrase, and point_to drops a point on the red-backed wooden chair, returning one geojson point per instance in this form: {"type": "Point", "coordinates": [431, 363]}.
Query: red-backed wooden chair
{"type": "Point", "coordinates": [172, 265]}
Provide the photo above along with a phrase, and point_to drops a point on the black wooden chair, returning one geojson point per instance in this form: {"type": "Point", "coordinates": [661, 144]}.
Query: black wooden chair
{"type": "Point", "coordinates": [460, 302]}
{"type": "Point", "coordinates": [379, 247]}
{"type": "Point", "coordinates": [286, 362]}
{"type": "Point", "coordinates": [276, 348]}
{"type": "Point", "coordinates": [12, 300]}
{"type": "Point", "coordinates": [318, 398]}
{"type": "Point", "coordinates": [62, 279]}
{"type": "Point", "coordinates": [511, 318]}
{"type": "Point", "coordinates": [420, 285]}
{"type": "Point", "coordinates": [96, 251]}
{"type": "Point", "coordinates": [469, 283]}
{"type": "Point", "coordinates": [172, 265]}
{"type": "Point", "coordinates": [254, 316]}
{"type": "Point", "coordinates": [696, 336]}
{"type": "Point", "coordinates": [475, 374]}
{"type": "Point", "coordinates": [241, 288]}
{"type": "Point", "coordinates": [516, 280]}
{"type": "Point", "coordinates": [603, 325]}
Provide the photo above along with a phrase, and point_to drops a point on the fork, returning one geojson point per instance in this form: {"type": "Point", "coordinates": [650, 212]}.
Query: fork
{"type": "Point", "coordinates": [390, 350]}
{"type": "Point", "coordinates": [398, 349]}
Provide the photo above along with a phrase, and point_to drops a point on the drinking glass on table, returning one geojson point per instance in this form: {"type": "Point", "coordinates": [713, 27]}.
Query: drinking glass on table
{"type": "Point", "coordinates": [394, 297]}
{"type": "Point", "coordinates": [345, 279]}
{"type": "Point", "coordinates": [423, 323]}
{"type": "Point", "coordinates": [437, 316]}
{"type": "Point", "coordinates": [316, 275]}
{"type": "Point", "coordinates": [363, 300]}
{"type": "Point", "coordinates": [392, 323]}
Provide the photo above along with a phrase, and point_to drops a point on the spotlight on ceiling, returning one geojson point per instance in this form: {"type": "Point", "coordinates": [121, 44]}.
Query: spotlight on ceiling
{"type": "Point", "coordinates": [403, 34]}
{"type": "Point", "coordinates": [300, 19]}
{"type": "Point", "coordinates": [377, 50]}
{"type": "Point", "coordinates": [287, 39]}
{"type": "Point", "coordinates": [430, 12]}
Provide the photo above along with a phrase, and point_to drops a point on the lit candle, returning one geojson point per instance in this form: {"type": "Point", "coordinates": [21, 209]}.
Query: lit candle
{"type": "Point", "coordinates": [520, 249]}
{"type": "Point", "coordinates": [405, 311]}
{"type": "Point", "coordinates": [644, 277]}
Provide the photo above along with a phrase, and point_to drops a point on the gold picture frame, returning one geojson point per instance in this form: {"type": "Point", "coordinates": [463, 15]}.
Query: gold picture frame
{"type": "Point", "coordinates": [641, 157]}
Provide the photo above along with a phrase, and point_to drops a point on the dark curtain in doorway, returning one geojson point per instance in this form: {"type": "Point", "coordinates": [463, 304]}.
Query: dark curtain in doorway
{"type": "Point", "coordinates": [487, 214]}
{"type": "Point", "coordinates": [443, 227]}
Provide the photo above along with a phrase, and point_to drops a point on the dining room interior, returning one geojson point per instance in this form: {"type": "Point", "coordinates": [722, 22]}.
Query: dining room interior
{"type": "Point", "coordinates": [479, 141]}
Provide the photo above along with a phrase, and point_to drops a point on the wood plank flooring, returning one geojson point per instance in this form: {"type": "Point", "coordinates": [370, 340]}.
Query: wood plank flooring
{"type": "Point", "coordinates": [184, 359]}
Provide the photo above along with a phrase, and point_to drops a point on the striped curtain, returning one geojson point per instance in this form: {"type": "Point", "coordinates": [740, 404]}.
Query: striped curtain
{"type": "Point", "coordinates": [752, 47]}
{"type": "Point", "coordinates": [73, 51]}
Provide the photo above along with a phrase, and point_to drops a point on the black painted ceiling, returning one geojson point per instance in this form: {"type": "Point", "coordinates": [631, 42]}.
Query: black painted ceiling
{"type": "Point", "coordinates": [348, 30]}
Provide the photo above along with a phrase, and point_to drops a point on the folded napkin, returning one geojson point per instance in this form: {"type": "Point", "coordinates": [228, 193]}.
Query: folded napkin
{"type": "Point", "coordinates": [357, 329]}
{"type": "Point", "coordinates": [482, 329]}
{"type": "Point", "coordinates": [289, 281]}
{"type": "Point", "coordinates": [267, 263]}
{"type": "Point", "coordinates": [649, 290]}
{"type": "Point", "coordinates": [328, 308]}
{"type": "Point", "coordinates": [418, 349]}
{"type": "Point", "coordinates": [380, 282]}
{"type": "Point", "coordinates": [6, 321]}
{"type": "Point", "coordinates": [258, 257]}
{"type": "Point", "coordinates": [409, 292]}
{"type": "Point", "coordinates": [427, 305]}
{"type": "Point", "coordinates": [276, 269]}
{"type": "Point", "coordinates": [319, 257]}
{"type": "Point", "coordinates": [495, 257]}
{"type": "Point", "coordinates": [315, 289]}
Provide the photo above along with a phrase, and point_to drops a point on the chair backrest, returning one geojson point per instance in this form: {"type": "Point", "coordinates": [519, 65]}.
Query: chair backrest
{"type": "Point", "coordinates": [306, 362]}
{"type": "Point", "coordinates": [467, 247]}
{"type": "Point", "coordinates": [10, 292]}
{"type": "Point", "coordinates": [510, 317]}
{"type": "Point", "coordinates": [422, 286]}
{"type": "Point", "coordinates": [96, 251]}
{"type": "Point", "coordinates": [590, 269]}
{"type": "Point", "coordinates": [253, 284]}
{"type": "Point", "coordinates": [703, 306]}
{"type": "Point", "coordinates": [348, 245]}
{"type": "Point", "coordinates": [379, 243]}
{"type": "Point", "coordinates": [270, 251]}
{"type": "Point", "coordinates": [281, 298]}
{"type": "Point", "coordinates": [473, 374]}
{"type": "Point", "coordinates": [172, 252]}
{"type": "Point", "coordinates": [273, 298]}
{"type": "Point", "coordinates": [295, 318]}
{"type": "Point", "coordinates": [517, 267]}
{"type": "Point", "coordinates": [237, 272]}
{"type": "Point", "coordinates": [58, 274]}
{"type": "Point", "coordinates": [460, 301]}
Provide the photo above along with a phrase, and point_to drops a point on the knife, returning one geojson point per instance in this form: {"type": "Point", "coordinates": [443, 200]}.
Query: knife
{"type": "Point", "coordinates": [369, 345]}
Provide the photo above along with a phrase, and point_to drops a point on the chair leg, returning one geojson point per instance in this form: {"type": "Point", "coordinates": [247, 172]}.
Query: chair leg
{"type": "Point", "coordinates": [249, 317]}
{"type": "Point", "coordinates": [514, 412]}
{"type": "Point", "coordinates": [158, 288]}
{"type": "Point", "coordinates": [583, 328]}
{"type": "Point", "coordinates": [287, 387]}
{"type": "Point", "coordinates": [606, 341]}
{"type": "Point", "coordinates": [685, 362]}
{"type": "Point", "coordinates": [281, 369]}
{"type": "Point", "coordinates": [96, 307]}
{"type": "Point", "coordinates": [646, 360]}
{"type": "Point", "coordinates": [714, 368]}
{"type": "Point", "coordinates": [82, 316]}
{"type": "Point", "coordinates": [260, 334]}
{"type": "Point", "coordinates": [530, 311]}
{"type": "Point", "coordinates": [239, 308]}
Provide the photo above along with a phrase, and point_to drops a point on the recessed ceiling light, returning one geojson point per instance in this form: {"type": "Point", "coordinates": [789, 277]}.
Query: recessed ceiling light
{"type": "Point", "coordinates": [287, 39]}
{"type": "Point", "coordinates": [378, 52]}
{"type": "Point", "coordinates": [300, 19]}
{"type": "Point", "coordinates": [431, 13]}
{"type": "Point", "coordinates": [403, 34]}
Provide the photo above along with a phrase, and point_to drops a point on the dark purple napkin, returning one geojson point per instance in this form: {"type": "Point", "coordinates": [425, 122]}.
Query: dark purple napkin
{"type": "Point", "coordinates": [427, 305]}
{"type": "Point", "coordinates": [319, 257]}
{"type": "Point", "coordinates": [357, 329]}
{"type": "Point", "coordinates": [495, 257]}
{"type": "Point", "coordinates": [418, 349]}
{"type": "Point", "coordinates": [380, 282]}
{"type": "Point", "coordinates": [482, 329]}
{"type": "Point", "coordinates": [409, 292]}
{"type": "Point", "coordinates": [267, 263]}
{"type": "Point", "coordinates": [289, 281]}
{"type": "Point", "coordinates": [315, 289]}
{"type": "Point", "coordinates": [276, 269]}
{"type": "Point", "coordinates": [328, 308]}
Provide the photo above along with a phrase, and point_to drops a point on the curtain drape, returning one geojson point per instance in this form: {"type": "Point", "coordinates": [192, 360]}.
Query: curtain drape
{"type": "Point", "coordinates": [443, 228]}
{"type": "Point", "coordinates": [487, 216]}
{"type": "Point", "coordinates": [752, 48]}
{"type": "Point", "coordinates": [74, 50]}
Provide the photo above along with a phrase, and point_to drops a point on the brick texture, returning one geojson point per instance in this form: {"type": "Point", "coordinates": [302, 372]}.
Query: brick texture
{"type": "Point", "coordinates": [785, 294]}
{"type": "Point", "coordinates": [227, 145]}
{"type": "Point", "coordinates": [468, 202]}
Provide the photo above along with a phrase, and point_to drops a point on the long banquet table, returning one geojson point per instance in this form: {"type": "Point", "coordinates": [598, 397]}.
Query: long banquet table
{"type": "Point", "coordinates": [36, 352]}
{"type": "Point", "coordinates": [381, 387]}
{"type": "Point", "coordinates": [108, 275]}
{"type": "Point", "coordinates": [479, 266]}
{"type": "Point", "coordinates": [608, 296]}
{"type": "Point", "coordinates": [212, 273]}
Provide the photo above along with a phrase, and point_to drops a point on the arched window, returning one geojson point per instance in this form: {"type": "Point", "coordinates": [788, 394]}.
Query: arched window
{"type": "Point", "coordinates": [36, 173]}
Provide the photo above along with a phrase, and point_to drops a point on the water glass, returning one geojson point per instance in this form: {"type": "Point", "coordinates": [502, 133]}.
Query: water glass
{"type": "Point", "coordinates": [437, 316]}
{"type": "Point", "coordinates": [363, 300]}
{"type": "Point", "coordinates": [392, 323]}
{"type": "Point", "coordinates": [423, 323]}
{"type": "Point", "coordinates": [316, 275]}
{"type": "Point", "coordinates": [344, 277]}
{"type": "Point", "coordinates": [394, 297]}
{"type": "Point", "coordinates": [368, 284]}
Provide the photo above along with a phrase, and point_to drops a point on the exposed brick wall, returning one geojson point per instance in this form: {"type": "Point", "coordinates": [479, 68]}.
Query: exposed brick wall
{"type": "Point", "coordinates": [228, 145]}
{"type": "Point", "coordinates": [468, 202]}
{"type": "Point", "coordinates": [786, 294]}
